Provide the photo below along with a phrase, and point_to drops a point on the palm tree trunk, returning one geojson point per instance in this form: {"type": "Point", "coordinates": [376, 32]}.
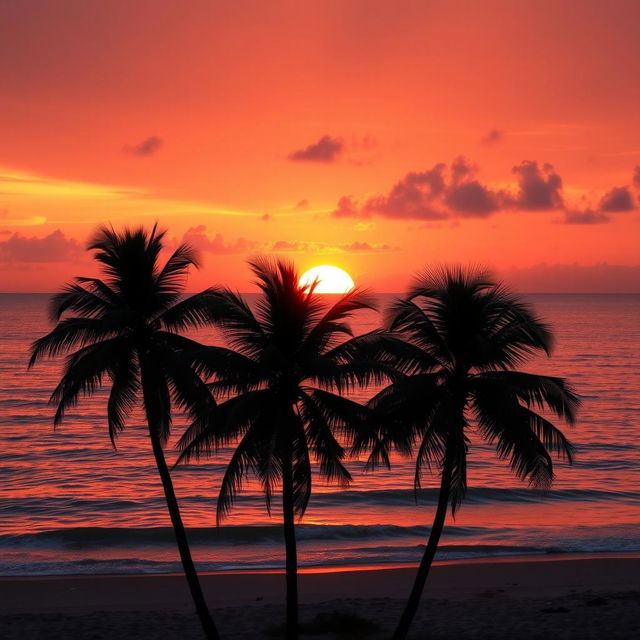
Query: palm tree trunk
{"type": "Point", "coordinates": [151, 386]}
{"type": "Point", "coordinates": [208, 626]}
{"type": "Point", "coordinates": [290, 547]}
{"type": "Point", "coordinates": [427, 559]}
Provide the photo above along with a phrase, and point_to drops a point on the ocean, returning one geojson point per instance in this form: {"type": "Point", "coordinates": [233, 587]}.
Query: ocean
{"type": "Point", "coordinates": [70, 504]}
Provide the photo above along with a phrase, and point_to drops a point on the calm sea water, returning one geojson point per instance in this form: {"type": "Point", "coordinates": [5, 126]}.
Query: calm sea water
{"type": "Point", "coordinates": [71, 504]}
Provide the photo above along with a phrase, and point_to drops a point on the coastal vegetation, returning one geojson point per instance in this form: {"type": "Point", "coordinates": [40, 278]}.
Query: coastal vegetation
{"type": "Point", "coordinates": [277, 387]}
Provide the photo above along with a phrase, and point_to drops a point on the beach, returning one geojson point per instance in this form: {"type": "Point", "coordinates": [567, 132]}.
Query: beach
{"type": "Point", "coordinates": [550, 597]}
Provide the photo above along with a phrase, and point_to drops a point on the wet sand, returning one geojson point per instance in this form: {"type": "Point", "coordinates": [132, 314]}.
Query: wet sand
{"type": "Point", "coordinates": [545, 598]}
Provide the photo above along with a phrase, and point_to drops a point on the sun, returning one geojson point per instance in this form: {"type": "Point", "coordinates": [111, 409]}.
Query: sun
{"type": "Point", "coordinates": [330, 279]}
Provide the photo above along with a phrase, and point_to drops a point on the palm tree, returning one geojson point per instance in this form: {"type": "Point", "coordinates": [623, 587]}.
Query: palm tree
{"type": "Point", "coordinates": [124, 329]}
{"type": "Point", "coordinates": [459, 338]}
{"type": "Point", "coordinates": [275, 400]}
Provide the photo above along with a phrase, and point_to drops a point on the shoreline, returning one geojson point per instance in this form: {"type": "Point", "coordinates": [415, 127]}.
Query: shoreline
{"type": "Point", "coordinates": [450, 579]}
{"type": "Point", "coordinates": [353, 568]}
{"type": "Point", "coordinates": [530, 599]}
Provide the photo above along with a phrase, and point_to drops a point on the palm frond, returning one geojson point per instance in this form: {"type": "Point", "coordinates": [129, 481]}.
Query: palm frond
{"type": "Point", "coordinates": [70, 333]}
{"type": "Point", "coordinates": [191, 313]}
{"type": "Point", "coordinates": [326, 449]}
{"type": "Point", "coordinates": [84, 372]}
{"type": "Point", "coordinates": [173, 275]}
{"type": "Point", "coordinates": [74, 297]}
{"type": "Point", "coordinates": [534, 390]}
{"type": "Point", "coordinates": [504, 422]}
{"type": "Point", "coordinates": [229, 311]}
{"type": "Point", "coordinates": [123, 396]}
{"type": "Point", "coordinates": [244, 458]}
{"type": "Point", "coordinates": [413, 324]}
{"type": "Point", "coordinates": [331, 326]}
{"type": "Point", "coordinates": [206, 434]}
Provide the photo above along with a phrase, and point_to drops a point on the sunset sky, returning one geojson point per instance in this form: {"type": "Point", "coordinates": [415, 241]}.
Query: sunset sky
{"type": "Point", "coordinates": [376, 136]}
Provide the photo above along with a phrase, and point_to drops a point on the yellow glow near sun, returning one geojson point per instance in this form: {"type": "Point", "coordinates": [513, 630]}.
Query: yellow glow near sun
{"type": "Point", "coordinates": [330, 279]}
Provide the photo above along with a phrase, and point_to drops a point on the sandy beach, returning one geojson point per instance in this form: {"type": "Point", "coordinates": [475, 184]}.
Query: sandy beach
{"type": "Point", "coordinates": [568, 597]}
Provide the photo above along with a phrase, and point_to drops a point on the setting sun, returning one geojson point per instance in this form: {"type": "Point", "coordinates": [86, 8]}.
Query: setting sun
{"type": "Point", "coordinates": [330, 279]}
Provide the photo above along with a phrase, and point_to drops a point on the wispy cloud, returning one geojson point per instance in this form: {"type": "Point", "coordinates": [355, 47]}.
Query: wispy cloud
{"type": "Point", "coordinates": [296, 246]}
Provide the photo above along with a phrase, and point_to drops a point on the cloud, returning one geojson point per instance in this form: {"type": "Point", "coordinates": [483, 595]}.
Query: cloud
{"type": "Point", "coordinates": [302, 204]}
{"type": "Point", "coordinates": [296, 246]}
{"type": "Point", "coordinates": [636, 177]}
{"type": "Point", "coordinates": [453, 192]}
{"type": "Point", "coordinates": [348, 208]}
{"type": "Point", "coordinates": [493, 137]}
{"type": "Point", "coordinates": [55, 247]}
{"type": "Point", "coordinates": [616, 200]}
{"type": "Point", "coordinates": [265, 217]}
{"type": "Point", "coordinates": [197, 237]}
{"type": "Point", "coordinates": [588, 216]}
{"type": "Point", "coordinates": [146, 147]}
{"type": "Point", "coordinates": [328, 149]}
{"type": "Point", "coordinates": [539, 188]}
{"type": "Point", "coordinates": [366, 247]}
{"type": "Point", "coordinates": [434, 194]}
{"type": "Point", "coordinates": [416, 196]}
{"type": "Point", "coordinates": [285, 245]}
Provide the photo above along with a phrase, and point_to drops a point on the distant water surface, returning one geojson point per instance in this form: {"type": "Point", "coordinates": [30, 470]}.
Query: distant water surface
{"type": "Point", "coordinates": [71, 504]}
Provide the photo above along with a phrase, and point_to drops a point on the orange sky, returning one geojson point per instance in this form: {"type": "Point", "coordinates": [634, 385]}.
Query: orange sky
{"type": "Point", "coordinates": [377, 136]}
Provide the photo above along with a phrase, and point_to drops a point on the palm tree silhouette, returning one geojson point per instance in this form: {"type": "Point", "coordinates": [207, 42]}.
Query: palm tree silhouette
{"type": "Point", "coordinates": [459, 337]}
{"type": "Point", "coordinates": [124, 329]}
{"type": "Point", "coordinates": [275, 400]}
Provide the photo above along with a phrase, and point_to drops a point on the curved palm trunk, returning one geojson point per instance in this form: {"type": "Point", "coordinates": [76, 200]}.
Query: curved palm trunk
{"type": "Point", "coordinates": [427, 559]}
{"type": "Point", "coordinates": [208, 626]}
{"type": "Point", "coordinates": [150, 389]}
{"type": "Point", "coordinates": [291, 549]}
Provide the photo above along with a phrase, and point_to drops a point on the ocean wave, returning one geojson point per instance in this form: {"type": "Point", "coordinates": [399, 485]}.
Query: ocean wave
{"type": "Point", "coordinates": [78, 537]}
{"type": "Point", "coordinates": [377, 497]}
{"type": "Point", "coordinates": [479, 495]}
{"type": "Point", "coordinates": [380, 556]}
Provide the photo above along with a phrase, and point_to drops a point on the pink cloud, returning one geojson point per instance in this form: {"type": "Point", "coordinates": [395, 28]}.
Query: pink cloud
{"type": "Point", "coordinates": [55, 247]}
{"type": "Point", "coordinates": [197, 237]}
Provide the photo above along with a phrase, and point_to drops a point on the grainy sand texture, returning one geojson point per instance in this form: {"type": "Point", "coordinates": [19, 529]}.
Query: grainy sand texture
{"type": "Point", "coordinates": [553, 598]}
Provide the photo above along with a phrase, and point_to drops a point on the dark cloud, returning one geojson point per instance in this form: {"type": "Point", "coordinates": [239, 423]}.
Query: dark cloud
{"type": "Point", "coordinates": [428, 195]}
{"type": "Point", "coordinates": [454, 192]}
{"type": "Point", "coordinates": [147, 147]}
{"type": "Point", "coordinates": [197, 237]}
{"type": "Point", "coordinates": [472, 199]}
{"type": "Point", "coordinates": [539, 188]}
{"type": "Point", "coordinates": [588, 216]}
{"type": "Point", "coordinates": [616, 200]}
{"type": "Point", "coordinates": [493, 137]}
{"type": "Point", "coordinates": [55, 247]}
{"type": "Point", "coordinates": [636, 177]}
{"type": "Point", "coordinates": [327, 150]}
{"type": "Point", "coordinates": [416, 196]}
